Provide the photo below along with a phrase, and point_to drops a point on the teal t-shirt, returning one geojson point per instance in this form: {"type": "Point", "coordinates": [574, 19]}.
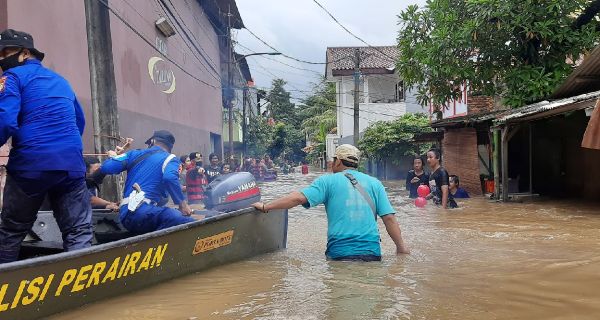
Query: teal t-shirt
{"type": "Point", "coordinates": [352, 229]}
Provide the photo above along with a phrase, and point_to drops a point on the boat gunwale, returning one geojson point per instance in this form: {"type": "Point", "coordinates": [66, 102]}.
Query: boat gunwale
{"type": "Point", "coordinates": [44, 260]}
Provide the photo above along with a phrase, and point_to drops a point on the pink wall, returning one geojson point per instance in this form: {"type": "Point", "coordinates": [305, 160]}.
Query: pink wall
{"type": "Point", "coordinates": [58, 29]}
{"type": "Point", "coordinates": [193, 109]}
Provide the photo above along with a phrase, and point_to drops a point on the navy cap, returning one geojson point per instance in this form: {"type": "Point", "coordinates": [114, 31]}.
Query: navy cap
{"type": "Point", "coordinates": [163, 136]}
{"type": "Point", "coordinates": [10, 38]}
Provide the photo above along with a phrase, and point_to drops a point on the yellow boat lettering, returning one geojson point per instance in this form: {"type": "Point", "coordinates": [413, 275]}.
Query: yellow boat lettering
{"type": "Point", "coordinates": [73, 280]}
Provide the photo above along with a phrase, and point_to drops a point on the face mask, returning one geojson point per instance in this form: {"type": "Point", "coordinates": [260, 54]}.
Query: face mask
{"type": "Point", "coordinates": [11, 61]}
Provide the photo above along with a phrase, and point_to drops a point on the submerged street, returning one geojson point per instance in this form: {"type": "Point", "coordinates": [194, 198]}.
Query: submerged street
{"type": "Point", "coordinates": [483, 261]}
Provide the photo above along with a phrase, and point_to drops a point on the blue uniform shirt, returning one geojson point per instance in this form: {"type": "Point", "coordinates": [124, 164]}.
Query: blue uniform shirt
{"type": "Point", "coordinates": [39, 110]}
{"type": "Point", "coordinates": [352, 229]}
{"type": "Point", "coordinates": [148, 174]}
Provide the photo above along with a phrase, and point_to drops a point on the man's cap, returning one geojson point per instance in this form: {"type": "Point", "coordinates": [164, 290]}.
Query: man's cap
{"type": "Point", "coordinates": [10, 38]}
{"type": "Point", "coordinates": [195, 155]}
{"type": "Point", "coordinates": [348, 153]}
{"type": "Point", "coordinates": [163, 136]}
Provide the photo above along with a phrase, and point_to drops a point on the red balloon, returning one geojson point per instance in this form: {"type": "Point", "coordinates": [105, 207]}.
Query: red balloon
{"type": "Point", "coordinates": [423, 191]}
{"type": "Point", "coordinates": [420, 202]}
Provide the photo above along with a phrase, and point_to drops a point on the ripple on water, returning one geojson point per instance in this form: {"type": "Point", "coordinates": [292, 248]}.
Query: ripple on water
{"type": "Point", "coordinates": [486, 261]}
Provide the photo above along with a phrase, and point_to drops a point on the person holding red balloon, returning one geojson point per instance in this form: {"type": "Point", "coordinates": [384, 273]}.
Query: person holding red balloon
{"type": "Point", "coordinates": [439, 181]}
{"type": "Point", "coordinates": [416, 177]}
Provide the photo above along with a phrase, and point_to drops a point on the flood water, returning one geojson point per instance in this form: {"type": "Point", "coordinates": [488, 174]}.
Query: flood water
{"type": "Point", "coordinates": [537, 260]}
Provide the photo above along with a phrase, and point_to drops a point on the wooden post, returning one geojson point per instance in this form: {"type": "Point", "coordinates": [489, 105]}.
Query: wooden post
{"type": "Point", "coordinates": [103, 87]}
{"type": "Point", "coordinates": [530, 158]}
{"type": "Point", "coordinates": [505, 163]}
{"type": "Point", "coordinates": [497, 163]}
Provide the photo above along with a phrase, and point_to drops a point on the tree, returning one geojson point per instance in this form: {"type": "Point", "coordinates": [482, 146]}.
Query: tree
{"type": "Point", "coordinates": [259, 134]}
{"type": "Point", "coordinates": [280, 107]}
{"type": "Point", "coordinates": [519, 50]}
{"type": "Point", "coordinates": [393, 139]}
{"type": "Point", "coordinates": [318, 114]}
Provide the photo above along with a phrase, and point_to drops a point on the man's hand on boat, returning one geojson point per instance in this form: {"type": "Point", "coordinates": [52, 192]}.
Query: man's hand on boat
{"type": "Point", "coordinates": [185, 209]}
{"type": "Point", "coordinates": [112, 206]}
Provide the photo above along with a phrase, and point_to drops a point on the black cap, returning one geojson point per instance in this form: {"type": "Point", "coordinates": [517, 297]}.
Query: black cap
{"type": "Point", "coordinates": [163, 136]}
{"type": "Point", "coordinates": [195, 155]}
{"type": "Point", "coordinates": [12, 38]}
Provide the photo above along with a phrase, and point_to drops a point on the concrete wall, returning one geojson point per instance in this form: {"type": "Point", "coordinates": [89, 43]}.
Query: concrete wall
{"type": "Point", "coordinates": [59, 30]}
{"type": "Point", "coordinates": [459, 157]}
{"type": "Point", "coordinates": [153, 92]}
{"type": "Point", "coordinates": [369, 112]}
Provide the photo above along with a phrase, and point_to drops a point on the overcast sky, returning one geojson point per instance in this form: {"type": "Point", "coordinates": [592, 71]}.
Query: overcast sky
{"type": "Point", "coordinates": [303, 30]}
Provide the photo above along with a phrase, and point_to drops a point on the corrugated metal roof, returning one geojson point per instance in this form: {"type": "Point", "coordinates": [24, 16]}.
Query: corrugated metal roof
{"type": "Point", "coordinates": [341, 58]}
{"type": "Point", "coordinates": [546, 108]}
{"type": "Point", "coordinates": [468, 119]}
{"type": "Point", "coordinates": [584, 79]}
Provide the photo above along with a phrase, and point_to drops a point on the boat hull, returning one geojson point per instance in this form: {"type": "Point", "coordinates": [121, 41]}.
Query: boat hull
{"type": "Point", "coordinates": [42, 286]}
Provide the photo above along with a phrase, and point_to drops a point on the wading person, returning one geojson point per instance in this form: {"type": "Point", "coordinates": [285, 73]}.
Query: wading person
{"type": "Point", "coordinates": [39, 110]}
{"type": "Point", "coordinates": [353, 201]}
{"type": "Point", "coordinates": [416, 177]}
{"type": "Point", "coordinates": [155, 170]}
{"type": "Point", "coordinates": [455, 190]}
{"type": "Point", "coordinates": [439, 181]}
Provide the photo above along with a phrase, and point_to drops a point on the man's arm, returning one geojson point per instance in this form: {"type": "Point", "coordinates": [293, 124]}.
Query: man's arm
{"type": "Point", "coordinates": [445, 196]}
{"type": "Point", "coordinates": [287, 202]}
{"type": "Point", "coordinates": [392, 228]}
{"type": "Point", "coordinates": [79, 116]}
{"type": "Point", "coordinates": [10, 106]}
{"type": "Point", "coordinates": [99, 202]}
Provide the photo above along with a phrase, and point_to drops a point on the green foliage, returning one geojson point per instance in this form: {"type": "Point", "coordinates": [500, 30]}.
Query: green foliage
{"type": "Point", "coordinates": [284, 139]}
{"type": "Point", "coordinates": [258, 136]}
{"type": "Point", "coordinates": [520, 50]}
{"type": "Point", "coordinates": [392, 139]}
{"type": "Point", "coordinates": [318, 114]}
{"type": "Point", "coordinates": [280, 108]}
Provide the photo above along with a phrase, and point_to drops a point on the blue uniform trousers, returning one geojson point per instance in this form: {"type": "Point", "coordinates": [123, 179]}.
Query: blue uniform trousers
{"type": "Point", "coordinates": [148, 218]}
{"type": "Point", "coordinates": [23, 195]}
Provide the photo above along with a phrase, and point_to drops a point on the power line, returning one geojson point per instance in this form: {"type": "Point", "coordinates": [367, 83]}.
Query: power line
{"type": "Point", "coordinates": [185, 35]}
{"type": "Point", "coordinates": [393, 59]}
{"type": "Point", "coordinates": [103, 2]}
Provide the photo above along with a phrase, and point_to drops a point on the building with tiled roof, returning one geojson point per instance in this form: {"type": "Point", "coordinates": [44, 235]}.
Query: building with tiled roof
{"type": "Point", "coordinates": [373, 60]}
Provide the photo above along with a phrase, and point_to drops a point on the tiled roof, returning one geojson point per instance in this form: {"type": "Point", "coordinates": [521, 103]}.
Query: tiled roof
{"type": "Point", "coordinates": [342, 58]}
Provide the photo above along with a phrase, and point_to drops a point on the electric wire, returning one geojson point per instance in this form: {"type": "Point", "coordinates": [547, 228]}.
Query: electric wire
{"type": "Point", "coordinates": [135, 31]}
{"type": "Point", "coordinates": [352, 34]}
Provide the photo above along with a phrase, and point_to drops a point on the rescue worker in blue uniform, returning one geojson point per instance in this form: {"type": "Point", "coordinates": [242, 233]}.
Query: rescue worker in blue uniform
{"type": "Point", "coordinates": [39, 110]}
{"type": "Point", "coordinates": [156, 171]}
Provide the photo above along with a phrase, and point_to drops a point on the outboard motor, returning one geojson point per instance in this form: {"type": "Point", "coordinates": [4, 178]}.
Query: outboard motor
{"type": "Point", "coordinates": [230, 192]}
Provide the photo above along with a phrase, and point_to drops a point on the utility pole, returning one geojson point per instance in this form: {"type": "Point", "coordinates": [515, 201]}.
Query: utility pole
{"type": "Point", "coordinates": [230, 91]}
{"type": "Point", "coordinates": [105, 113]}
{"type": "Point", "coordinates": [244, 125]}
{"type": "Point", "coordinates": [356, 95]}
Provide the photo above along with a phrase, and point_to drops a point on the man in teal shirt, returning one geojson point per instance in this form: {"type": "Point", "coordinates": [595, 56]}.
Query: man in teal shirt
{"type": "Point", "coordinates": [352, 227]}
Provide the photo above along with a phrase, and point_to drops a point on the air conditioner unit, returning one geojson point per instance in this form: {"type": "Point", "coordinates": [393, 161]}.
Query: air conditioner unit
{"type": "Point", "coordinates": [589, 111]}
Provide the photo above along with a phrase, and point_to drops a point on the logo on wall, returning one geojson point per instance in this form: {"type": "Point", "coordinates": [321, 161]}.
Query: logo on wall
{"type": "Point", "coordinates": [159, 71]}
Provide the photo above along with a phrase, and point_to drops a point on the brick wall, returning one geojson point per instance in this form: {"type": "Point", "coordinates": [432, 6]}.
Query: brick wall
{"type": "Point", "coordinates": [479, 104]}
{"type": "Point", "coordinates": [459, 155]}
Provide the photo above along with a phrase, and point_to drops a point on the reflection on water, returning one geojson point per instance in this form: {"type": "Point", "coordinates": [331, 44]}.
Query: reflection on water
{"type": "Point", "coordinates": [482, 261]}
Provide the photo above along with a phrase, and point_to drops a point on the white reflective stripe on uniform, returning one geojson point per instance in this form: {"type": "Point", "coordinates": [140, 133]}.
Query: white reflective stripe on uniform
{"type": "Point", "coordinates": [167, 160]}
{"type": "Point", "coordinates": [126, 201]}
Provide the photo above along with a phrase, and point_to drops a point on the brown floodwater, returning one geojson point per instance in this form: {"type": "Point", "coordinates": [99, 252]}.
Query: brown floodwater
{"type": "Point", "coordinates": [486, 260]}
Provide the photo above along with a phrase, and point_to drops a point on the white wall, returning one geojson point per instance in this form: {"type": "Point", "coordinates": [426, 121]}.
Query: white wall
{"type": "Point", "coordinates": [369, 112]}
